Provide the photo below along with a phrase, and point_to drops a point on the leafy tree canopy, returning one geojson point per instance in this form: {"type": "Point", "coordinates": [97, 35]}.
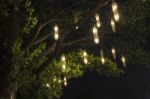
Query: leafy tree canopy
{"type": "Point", "coordinates": [31, 64]}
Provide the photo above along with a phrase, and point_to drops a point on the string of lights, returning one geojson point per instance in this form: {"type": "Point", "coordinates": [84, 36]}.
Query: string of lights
{"type": "Point", "coordinates": [96, 34]}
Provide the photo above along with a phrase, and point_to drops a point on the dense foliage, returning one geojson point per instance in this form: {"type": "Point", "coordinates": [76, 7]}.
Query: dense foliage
{"type": "Point", "coordinates": [31, 59]}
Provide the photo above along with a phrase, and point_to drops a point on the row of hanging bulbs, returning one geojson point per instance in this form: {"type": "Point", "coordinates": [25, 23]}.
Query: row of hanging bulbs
{"type": "Point", "coordinates": [115, 11]}
{"type": "Point", "coordinates": [113, 51]}
{"type": "Point", "coordinates": [56, 34]}
{"type": "Point", "coordinates": [63, 62]}
{"type": "Point", "coordinates": [114, 19]}
{"type": "Point", "coordinates": [85, 57]}
{"type": "Point", "coordinates": [115, 15]}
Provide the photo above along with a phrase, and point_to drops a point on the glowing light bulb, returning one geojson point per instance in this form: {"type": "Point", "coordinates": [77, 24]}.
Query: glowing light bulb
{"type": "Point", "coordinates": [85, 60]}
{"type": "Point", "coordinates": [59, 80]}
{"type": "Point", "coordinates": [114, 6]}
{"type": "Point", "coordinates": [65, 79]}
{"type": "Point", "coordinates": [113, 53]}
{"type": "Point", "coordinates": [47, 85]}
{"type": "Point", "coordinates": [97, 17]}
{"type": "Point", "coordinates": [98, 24]}
{"type": "Point", "coordinates": [85, 57]}
{"type": "Point", "coordinates": [63, 58]}
{"type": "Point", "coordinates": [56, 35]}
{"type": "Point", "coordinates": [116, 17]}
{"type": "Point", "coordinates": [95, 30]}
{"type": "Point", "coordinates": [113, 25]}
{"type": "Point", "coordinates": [96, 40]}
{"type": "Point", "coordinates": [84, 53]}
{"type": "Point", "coordinates": [95, 34]}
{"type": "Point", "coordinates": [65, 83]}
{"type": "Point", "coordinates": [56, 28]}
{"type": "Point", "coordinates": [123, 60]}
{"type": "Point", "coordinates": [103, 60]}
{"type": "Point", "coordinates": [77, 27]}
{"type": "Point", "coordinates": [63, 66]}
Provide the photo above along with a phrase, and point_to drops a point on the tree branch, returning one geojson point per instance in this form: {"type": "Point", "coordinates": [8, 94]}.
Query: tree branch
{"type": "Point", "coordinates": [76, 41]}
{"type": "Point", "coordinates": [40, 27]}
{"type": "Point", "coordinates": [42, 39]}
{"type": "Point", "coordinates": [60, 42]}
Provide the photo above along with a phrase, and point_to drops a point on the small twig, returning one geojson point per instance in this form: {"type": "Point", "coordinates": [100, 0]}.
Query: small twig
{"type": "Point", "coordinates": [76, 41]}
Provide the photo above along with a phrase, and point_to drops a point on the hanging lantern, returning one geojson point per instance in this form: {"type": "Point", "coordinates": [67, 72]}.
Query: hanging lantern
{"type": "Point", "coordinates": [56, 35]}
{"type": "Point", "coordinates": [113, 25]}
{"type": "Point", "coordinates": [63, 60]}
{"type": "Point", "coordinates": [116, 17]}
{"type": "Point", "coordinates": [95, 34]}
{"type": "Point", "coordinates": [98, 24]}
{"type": "Point", "coordinates": [103, 60]}
{"type": "Point", "coordinates": [115, 11]}
{"type": "Point", "coordinates": [97, 17]}
{"type": "Point", "coordinates": [65, 81]}
{"type": "Point", "coordinates": [114, 6]}
{"type": "Point", "coordinates": [102, 57]}
{"type": "Point", "coordinates": [85, 57]}
{"type": "Point", "coordinates": [113, 53]}
{"type": "Point", "coordinates": [123, 60]}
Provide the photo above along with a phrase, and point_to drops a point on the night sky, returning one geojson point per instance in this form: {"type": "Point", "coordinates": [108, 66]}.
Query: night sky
{"type": "Point", "coordinates": [94, 86]}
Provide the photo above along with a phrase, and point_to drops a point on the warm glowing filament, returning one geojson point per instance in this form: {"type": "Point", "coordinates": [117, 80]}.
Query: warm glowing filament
{"type": "Point", "coordinates": [59, 80]}
{"type": "Point", "coordinates": [96, 40]}
{"type": "Point", "coordinates": [113, 53]}
{"type": "Point", "coordinates": [85, 57]}
{"type": "Point", "coordinates": [123, 60]}
{"type": "Point", "coordinates": [47, 85]}
{"type": "Point", "coordinates": [84, 53]}
{"type": "Point", "coordinates": [114, 6]}
{"type": "Point", "coordinates": [56, 35]}
{"type": "Point", "coordinates": [103, 60]}
{"type": "Point", "coordinates": [102, 57]}
{"type": "Point", "coordinates": [113, 25]}
{"type": "Point", "coordinates": [63, 59]}
{"type": "Point", "coordinates": [116, 17]}
{"type": "Point", "coordinates": [97, 17]}
{"type": "Point", "coordinates": [63, 66]}
{"type": "Point", "coordinates": [65, 81]}
{"type": "Point", "coordinates": [95, 30]}
{"type": "Point", "coordinates": [115, 11]}
{"type": "Point", "coordinates": [95, 34]}
{"type": "Point", "coordinates": [77, 27]}
{"type": "Point", "coordinates": [98, 24]}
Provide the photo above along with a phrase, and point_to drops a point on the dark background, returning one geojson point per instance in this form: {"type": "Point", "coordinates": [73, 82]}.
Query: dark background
{"type": "Point", "coordinates": [133, 84]}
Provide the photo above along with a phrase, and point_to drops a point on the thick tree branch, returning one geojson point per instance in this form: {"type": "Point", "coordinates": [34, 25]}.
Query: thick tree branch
{"type": "Point", "coordinates": [52, 56]}
{"type": "Point", "coordinates": [40, 27]}
{"type": "Point", "coordinates": [60, 42]}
